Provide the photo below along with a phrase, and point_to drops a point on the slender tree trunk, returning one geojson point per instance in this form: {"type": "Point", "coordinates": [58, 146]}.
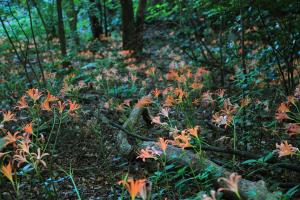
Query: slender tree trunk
{"type": "Point", "coordinates": [61, 30]}
{"type": "Point", "coordinates": [140, 18]}
{"type": "Point", "coordinates": [73, 18]}
{"type": "Point", "coordinates": [47, 30]}
{"type": "Point", "coordinates": [105, 18]}
{"type": "Point", "coordinates": [243, 40]}
{"type": "Point", "coordinates": [101, 11]}
{"type": "Point", "coordinates": [16, 52]}
{"type": "Point", "coordinates": [23, 53]}
{"type": "Point", "coordinates": [94, 20]}
{"type": "Point", "coordinates": [128, 25]}
{"type": "Point", "coordinates": [52, 23]}
{"type": "Point", "coordinates": [35, 44]}
{"type": "Point", "coordinates": [221, 50]}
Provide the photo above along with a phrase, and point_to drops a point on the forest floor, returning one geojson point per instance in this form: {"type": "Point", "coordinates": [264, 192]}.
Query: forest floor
{"type": "Point", "coordinates": [104, 84]}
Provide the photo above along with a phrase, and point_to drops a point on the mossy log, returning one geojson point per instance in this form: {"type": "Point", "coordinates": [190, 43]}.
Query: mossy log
{"type": "Point", "coordinates": [247, 189]}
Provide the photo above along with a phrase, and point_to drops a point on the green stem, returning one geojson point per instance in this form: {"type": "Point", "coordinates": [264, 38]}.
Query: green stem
{"type": "Point", "coordinates": [57, 132]}
{"type": "Point", "coordinates": [51, 132]}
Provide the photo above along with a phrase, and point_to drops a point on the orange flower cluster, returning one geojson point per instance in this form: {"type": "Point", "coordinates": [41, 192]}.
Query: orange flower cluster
{"type": "Point", "coordinates": [135, 187]}
{"type": "Point", "coordinates": [281, 113]}
{"type": "Point", "coordinates": [22, 140]}
{"type": "Point", "coordinates": [148, 152]}
{"type": "Point", "coordinates": [156, 92]}
{"type": "Point", "coordinates": [7, 171]}
{"type": "Point", "coordinates": [284, 112]}
{"type": "Point", "coordinates": [45, 105]}
{"type": "Point", "coordinates": [8, 116]}
{"type": "Point", "coordinates": [225, 116]}
{"type": "Point", "coordinates": [285, 149]}
{"type": "Point", "coordinates": [144, 101]}
{"type": "Point", "coordinates": [231, 183]}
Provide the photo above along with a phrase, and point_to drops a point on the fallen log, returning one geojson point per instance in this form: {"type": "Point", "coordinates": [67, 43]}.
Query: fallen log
{"type": "Point", "coordinates": [122, 141]}
{"type": "Point", "coordinates": [247, 189]}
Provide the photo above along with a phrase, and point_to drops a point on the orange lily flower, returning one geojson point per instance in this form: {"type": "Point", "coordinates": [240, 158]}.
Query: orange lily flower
{"type": "Point", "coordinates": [281, 116]}
{"type": "Point", "coordinates": [73, 106]}
{"type": "Point", "coordinates": [228, 108]}
{"type": "Point", "coordinates": [61, 106]}
{"type": "Point", "coordinates": [8, 116]}
{"type": "Point", "coordinates": [207, 97]}
{"type": "Point", "coordinates": [156, 92]}
{"type": "Point", "coordinates": [24, 147]}
{"type": "Point", "coordinates": [22, 103]}
{"type": "Point", "coordinates": [189, 74]}
{"type": "Point", "coordinates": [285, 149]}
{"type": "Point", "coordinates": [120, 107]}
{"type": "Point", "coordinates": [150, 71]}
{"type": "Point", "coordinates": [133, 187]}
{"type": "Point", "coordinates": [156, 120]}
{"type": "Point", "coordinates": [45, 105]}
{"type": "Point", "coordinates": [231, 183]}
{"type": "Point", "coordinates": [283, 108]}
{"type": "Point", "coordinates": [167, 90]}
{"type": "Point", "coordinates": [291, 99]}
{"type": "Point", "coordinates": [181, 79]}
{"type": "Point", "coordinates": [148, 153]}
{"type": "Point", "coordinates": [200, 72]}
{"type": "Point", "coordinates": [169, 101]}
{"type": "Point", "coordinates": [180, 93]}
{"type": "Point", "coordinates": [34, 94]}
{"type": "Point", "coordinates": [28, 128]}
{"type": "Point", "coordinates": [39, 156]}
{"type": "Point", "coordinates": [7, 172]}
{"type": "Point", "coordinates": [126, 52]}
{"type": "Point", "coordinates": [220, 93]}
{"type": "Point", "coordinates": [293, 129]}
{"type": "Point", "coordinates": [144, 101]}
{"type": "Point", "coordinates": [165, 112]}
{"type": "Point", "coordinates": [219, 119]}
{"type": "Point", "coordinates": [172, 75]}
{"type": "Point", "coordinates": [194, 131]}
{"type": "Point", "coordinates": [51, 98]}
{"type": "Point", "coordinates": [20, 159]}
{"type": "Point", "coordinates": [245, 101]}
{"type": "Point", "coordinates": [196, 101]}
{"type": "Point", "coordinates": [163, 144]}
{"type": "Point", "coordinates": [196, 85]}
{"type": "Point", "coordinates": [182, 140]}
{"type": "Point", "coordinates": [9, 138]}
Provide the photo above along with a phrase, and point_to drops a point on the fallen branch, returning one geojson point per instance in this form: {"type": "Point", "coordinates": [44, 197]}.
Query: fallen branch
{"type": "Point", "coordinates": [248, 155]}
{"type": "Point", "coordinates": [124, 147]}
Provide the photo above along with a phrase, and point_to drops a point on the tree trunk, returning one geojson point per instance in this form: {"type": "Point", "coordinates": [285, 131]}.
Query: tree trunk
{"type": "Point", "coordinates": [105, 18]}
{"type": "Point", "coordinates": [35, 45]}
{"type": "Point", "coordinates": [140, 18]}
{"type": "Point", "coordinates": [47, 30]}
{"type": "Point", "coordinates": [61, 30]}
{"type": "Point", "coordinates": [50, 22]}
{"type": "Point", "coordinates": [72, 14]}
{"type": "Point", "coordinates": [94, 21]}
{"type": "Point", "coordinates": [101, 11]}
{"type": "Point", "coordinates": [128, 26]}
